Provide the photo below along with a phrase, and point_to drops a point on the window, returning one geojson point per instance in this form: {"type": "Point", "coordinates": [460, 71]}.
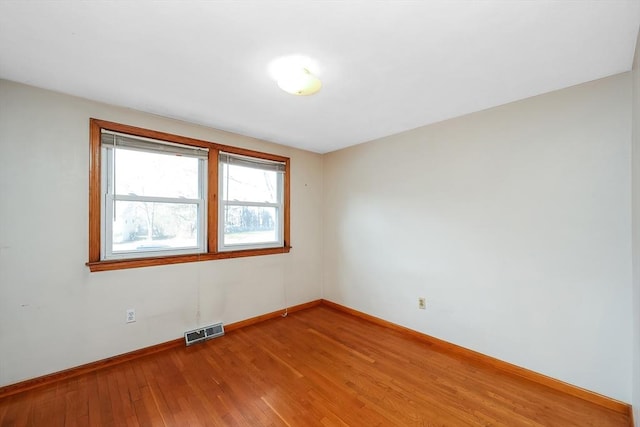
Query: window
{"type": "Point", "coordinates": [251, 207]}
{"type": "Point", "coordinates": [154, 200]}
{"type": "Point", "coordinates": [157, 198]}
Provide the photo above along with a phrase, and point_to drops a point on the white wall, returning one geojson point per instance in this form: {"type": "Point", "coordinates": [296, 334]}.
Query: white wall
{"type": "Point", "coordinates": [636, 232]}
{"type": "Point", "coordinates": [54, 313]}
{"type": "Point", "coordinates": [514, 223]}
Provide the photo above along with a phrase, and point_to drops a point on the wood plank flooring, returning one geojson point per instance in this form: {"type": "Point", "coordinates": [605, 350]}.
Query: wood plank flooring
{"type": "Point", "coordinates": [317, 367]}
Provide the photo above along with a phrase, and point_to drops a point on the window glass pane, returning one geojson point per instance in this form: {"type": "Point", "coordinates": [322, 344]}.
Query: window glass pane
{"type": "Point", "coordinates": [250, 224]}
{"type": "Point", "coordinates": [151, 174]}
{"type": "Point", "coordinates": [245, 184]}
{"type": "Point", "coordinates": [140, 226]}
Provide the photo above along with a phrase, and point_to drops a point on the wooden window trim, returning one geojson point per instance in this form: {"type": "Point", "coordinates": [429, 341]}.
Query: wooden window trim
{"type": "Point", "coordinates": [95, 264]}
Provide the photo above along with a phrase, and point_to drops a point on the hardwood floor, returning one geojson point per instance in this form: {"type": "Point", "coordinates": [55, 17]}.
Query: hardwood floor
{"type": "Point", "coordinates": [317, 367]}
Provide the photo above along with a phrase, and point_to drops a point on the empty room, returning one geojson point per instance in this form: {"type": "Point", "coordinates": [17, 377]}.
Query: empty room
{"type": "Point", "coordinates": [320, 213]}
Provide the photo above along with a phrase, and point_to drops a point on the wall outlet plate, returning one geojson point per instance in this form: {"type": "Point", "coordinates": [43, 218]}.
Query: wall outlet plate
{"type": "Point", "coordinates": [131, 315]}
{"type": "Point", "coordinates": [422, 303]}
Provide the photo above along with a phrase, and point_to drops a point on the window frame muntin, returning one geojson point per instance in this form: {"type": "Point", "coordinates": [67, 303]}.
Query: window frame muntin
{"type": "Point", "coordinates": [212, 253]}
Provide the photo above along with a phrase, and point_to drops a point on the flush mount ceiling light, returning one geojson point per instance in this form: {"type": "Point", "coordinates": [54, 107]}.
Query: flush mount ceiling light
{"type": "Point", "coordinates": [295, 75]}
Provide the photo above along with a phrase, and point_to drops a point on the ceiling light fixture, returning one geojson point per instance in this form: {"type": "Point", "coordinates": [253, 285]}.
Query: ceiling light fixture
{"type": "Point", "coordinates": [294, 75]}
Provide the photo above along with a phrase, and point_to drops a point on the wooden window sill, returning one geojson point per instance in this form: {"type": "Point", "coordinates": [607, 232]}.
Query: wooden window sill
{"type": "Point", "coordinates": [121, 264]}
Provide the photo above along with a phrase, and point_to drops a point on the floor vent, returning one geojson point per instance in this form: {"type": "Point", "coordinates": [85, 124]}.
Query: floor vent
{"type": "Point", "coordinates": [203, 334]}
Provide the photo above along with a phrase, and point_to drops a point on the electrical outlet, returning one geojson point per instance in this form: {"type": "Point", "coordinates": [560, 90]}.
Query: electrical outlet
{"type": "Point", "coordinates": [131, 315]}
{"type": "Point", "coordinates": [422, 303]}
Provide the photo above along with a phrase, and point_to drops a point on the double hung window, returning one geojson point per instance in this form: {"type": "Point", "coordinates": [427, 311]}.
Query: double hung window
{"type": "Point", "coordinates": [157, 198]}
{"type": "Point", "coordinates": [251, 207]}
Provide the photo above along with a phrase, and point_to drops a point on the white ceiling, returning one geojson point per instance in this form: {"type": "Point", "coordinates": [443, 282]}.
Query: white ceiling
{"type": "Point", "coordinates": [386, 66]}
